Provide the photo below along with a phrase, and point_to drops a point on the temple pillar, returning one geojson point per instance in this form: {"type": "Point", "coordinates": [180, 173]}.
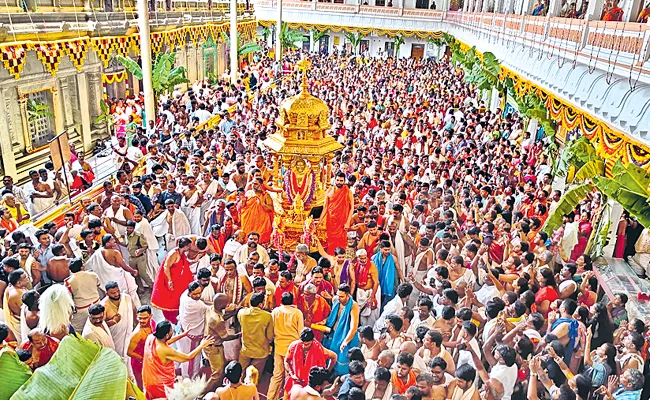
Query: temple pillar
{"type": "Point", "coordinates": [84, 105]}
{"type": "Point", "coordinates": [594, 10]}
{"type": "Point", "coordinates": [95, 94]}
{"type": "Point", "coordinates": [6, 147]}
{"type": "Point", "coordinates": [555, 7]}
{"type": "Point", "coordinates": [630, 9]}
{"type": "Point", "coordinates": [66, 104]}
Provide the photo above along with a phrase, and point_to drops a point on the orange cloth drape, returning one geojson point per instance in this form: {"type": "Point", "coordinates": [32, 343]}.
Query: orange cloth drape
{"type": "Point", "coordinates": [255, 218]}
{"type": "Point", "coordinates": [337, 214]}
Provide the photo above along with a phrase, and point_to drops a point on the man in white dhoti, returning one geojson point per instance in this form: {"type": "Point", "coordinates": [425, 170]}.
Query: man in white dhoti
{"type": "Point", "coordinates": [171, 224]}
{"type": "Point", "coordinates": [115, 218]}
{"type": "Point", "coordinates": [241, 255]}
{"type": "Point", "coordinates": [397, 241]}
{"type": "Point", "coordinates": [191, 205]}
{"type": "Point", "coordinates": [40, 194]}
{"type": "Point", "coordinates": [191, 318]}
{"type": "Point", "coordinates": [96, 329]}
{"type": "Point", "coordinates": [143, 226]}
{"type": "Point", "coordinates": [118, 315]}
{"type": "Point", "coordinates": [209, 187]}
{"type": "Point", "coordinates": [109, 265]}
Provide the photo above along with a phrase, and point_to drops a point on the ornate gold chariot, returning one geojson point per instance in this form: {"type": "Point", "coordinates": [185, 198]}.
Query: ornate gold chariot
{"type": "Point", "coordinates": [302, 159]}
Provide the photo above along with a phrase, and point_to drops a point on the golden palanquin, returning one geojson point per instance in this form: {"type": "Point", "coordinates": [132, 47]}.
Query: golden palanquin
{"type": "Point", "coordinates": [302, 159]}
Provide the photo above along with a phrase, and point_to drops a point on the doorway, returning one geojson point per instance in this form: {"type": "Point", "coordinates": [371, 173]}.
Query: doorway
{"type": "Point", "coordinates": [390, 49]}
{"type": "Point", "coordinates": [324, 45]}
{"type": "Point", "coordinates": [417, 51]}
{"type": "Point", "coordinates": [421, 3]}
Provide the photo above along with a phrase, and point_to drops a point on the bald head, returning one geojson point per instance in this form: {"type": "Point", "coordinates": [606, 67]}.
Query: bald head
{"type": "Point", "coordinates": [220, 301]}
{"type": "Point", "coordinates": [409, 346]}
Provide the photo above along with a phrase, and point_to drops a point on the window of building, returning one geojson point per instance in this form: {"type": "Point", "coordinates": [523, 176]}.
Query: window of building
{"type": "Point", "coordinates": [40, 117]}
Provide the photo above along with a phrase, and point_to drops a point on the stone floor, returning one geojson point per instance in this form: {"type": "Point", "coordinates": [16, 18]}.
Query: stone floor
{"type": "Point", "coordinates": [618, 277]}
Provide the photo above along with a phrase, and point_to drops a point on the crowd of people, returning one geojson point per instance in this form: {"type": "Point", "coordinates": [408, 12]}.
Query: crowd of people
{"type": "Point", "coordinates": [435, 280]}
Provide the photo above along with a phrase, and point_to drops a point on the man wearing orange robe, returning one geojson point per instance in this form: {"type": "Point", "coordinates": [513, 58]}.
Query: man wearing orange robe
{"type": "Point", "coordinates": [158, 362]}
{"type": "Point", "coordinates": [337, 212]}
{"type": "Point", "coordinates": [314, 307]}
{"type": "Point", "coordinates": [257, 212]}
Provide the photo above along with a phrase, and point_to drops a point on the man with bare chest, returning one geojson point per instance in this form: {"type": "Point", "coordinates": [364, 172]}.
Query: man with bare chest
{"type": "Point", "coordinates": [240, 178]}
{"type": "Point", "coordinates": [13, 301]}
{"type": "Point", "coordinates": [57, 266]}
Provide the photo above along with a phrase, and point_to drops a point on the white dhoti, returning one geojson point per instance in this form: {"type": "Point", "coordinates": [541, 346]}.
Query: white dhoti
{"type": "Point", "coordinates": [79, 319]}
{"type": "Point", "coordinates": [180, 227]}
{"type": "Point", "coordinates": [191, 318]}
{"type": "Point", "coordinates": [192, 212]}
{"type": "Point", "coordinates": [368, 316]}
{"type": "Point", "coordinates": [121, 332]}
{"type": "Point", "coordinates": [107, 272]}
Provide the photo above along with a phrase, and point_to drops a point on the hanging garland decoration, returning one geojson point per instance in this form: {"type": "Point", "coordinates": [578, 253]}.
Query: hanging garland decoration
{"type": "Point", "coordinates": [103, 47]}
{"type": "Point", "coordinates": [610, 144]}
{"type": "Point", "coordinates": [361, 30]}
{"type": "Point", "coordinates": [14, 58]}
{"type": "Point", "coordinates": [116, 77]}
{"type": "Point", "coordinates": [157, 42]}
{"type": "Point", "coordinates": [76, 50]}
{"type": "Point", "coordinates": [50, 55]}
{"type": "Point", "coordinates": [14, 55]}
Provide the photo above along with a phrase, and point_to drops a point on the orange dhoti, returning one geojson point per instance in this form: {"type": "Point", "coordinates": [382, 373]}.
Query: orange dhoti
{"type": "Point", "coordinates": [156, 374]}
{"type": "Point", "coordinates": [336, 217]}
{"type": "Point", "coordinates": [254, 218]}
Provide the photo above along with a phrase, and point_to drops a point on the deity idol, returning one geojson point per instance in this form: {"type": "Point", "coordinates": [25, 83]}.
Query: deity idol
{"type": "Point", "coordinates": [300, 183]}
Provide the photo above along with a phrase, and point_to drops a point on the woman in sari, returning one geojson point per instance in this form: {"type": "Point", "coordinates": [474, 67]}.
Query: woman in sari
{"type": "Point", "coordinates": [547, 292]}
{"type": "Point", "coordinates": [584, 232]}
{"type": "Point", "coordinates": [619, 250]}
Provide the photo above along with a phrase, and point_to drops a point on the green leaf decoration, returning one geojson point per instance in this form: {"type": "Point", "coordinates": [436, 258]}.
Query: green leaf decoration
{"type": "Point", "coordinates": [131, 65]}
{"type": "Point", "coordinates": [590, 170]}
{"type": "Point", "coordinates": [567, 203]}
{"type": "Point", "coordinates": [636, 204]}
{"type": "Point", "coordinates": [14, 373]}
{"type": "Point", "coordinates": [318, 35]}
{"type": "Point", "coordinates": [79, 370]}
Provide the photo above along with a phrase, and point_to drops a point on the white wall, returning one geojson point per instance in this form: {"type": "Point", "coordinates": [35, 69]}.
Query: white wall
{"type": "Point", "coordinates": [379, 42]}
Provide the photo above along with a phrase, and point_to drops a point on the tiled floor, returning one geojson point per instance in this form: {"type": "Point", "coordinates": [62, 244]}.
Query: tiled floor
{"type": "Point", "coordinates": [618, 277]}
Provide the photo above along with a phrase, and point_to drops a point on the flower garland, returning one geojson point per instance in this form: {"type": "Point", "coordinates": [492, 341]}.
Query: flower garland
{"type": "Point", "coordinates": [289, 187]}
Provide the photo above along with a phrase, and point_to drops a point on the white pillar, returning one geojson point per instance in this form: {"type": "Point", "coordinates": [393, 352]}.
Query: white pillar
{"type": "Point", "coordinates": [311, 40]}
{"type": "Point", "coordinates": [278, 33]}
{"type": "Point", "coordinates": [145, 54]}
{"type": "Point", "coordinates": [84, 103]}
{"type": "Point", "coordinates": [594, 9]}
{"type": "Point", "coordinates": [234, 61]}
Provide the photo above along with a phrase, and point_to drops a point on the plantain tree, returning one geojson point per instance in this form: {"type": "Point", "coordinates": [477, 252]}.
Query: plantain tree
{"type": "Point", "coordinates": [289, 37]}
{"type": "Point", "coordinates": [399, 41]}
{"type": "Point", "coordinates": [355, 40]}
{"type": "Point", "coordinates": [243, 49]}
{"type": "Point", "coordinates": [165, 76]}
{"type": "Point", "coordinates": [629, 187]}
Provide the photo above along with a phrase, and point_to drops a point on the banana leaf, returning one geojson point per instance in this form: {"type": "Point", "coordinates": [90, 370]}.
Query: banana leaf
{"type": "Point", "coordinates": [131, 66]}
{"type": "Point", "coordinates": [14, 373]}
{"type": "Point", "coordinates": [567, 203]}
{"type": "Point", "coordinates": [80, 370]}
{"type": "Point", "coordinates": [640, 179]}
{"type": "Point", "coordinates": [638, 205]}
{"type": "Point", "coordinates": [588, 171]}
{"type": "Point", "coordinates": [595, 249]}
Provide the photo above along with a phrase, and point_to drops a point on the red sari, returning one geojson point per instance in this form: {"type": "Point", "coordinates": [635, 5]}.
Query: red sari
{"type": "Point", "coordinates": [162, 296]}
{"type": "Point", "coordinates": [156, 374]}
{"type": "Point", "coordinates": [302, 363]}
{"type": "Point", "coordinates": [336, 217]}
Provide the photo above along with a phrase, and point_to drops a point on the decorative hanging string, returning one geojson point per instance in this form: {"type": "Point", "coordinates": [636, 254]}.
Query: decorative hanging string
{"type": "Point", "coordinates": [11, 24]}
{"type": "Point", "coordinates": [591, 69]}
{"type": "Point", "coordinates": [565, 45]}
{"type": "Point", "coordinates": [634, 60]}
{"type": "Point", "coordinates": [575, 50]}
{"type": "Point", "coordinates": [617, 46]}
